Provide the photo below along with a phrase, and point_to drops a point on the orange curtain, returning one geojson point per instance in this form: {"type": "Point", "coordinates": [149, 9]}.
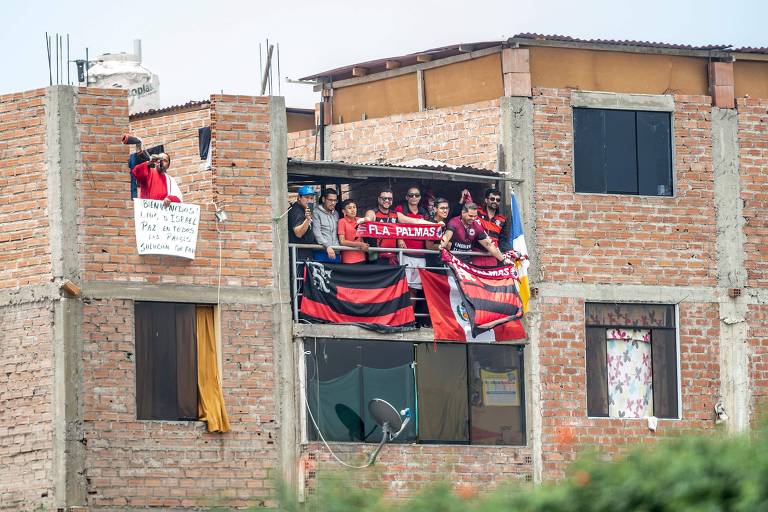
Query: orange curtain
{"type": "Point", "coordinates": [210, 397]}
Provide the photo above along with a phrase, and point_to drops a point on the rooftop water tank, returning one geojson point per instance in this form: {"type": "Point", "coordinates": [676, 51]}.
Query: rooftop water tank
{"type": "Point", "coordinates": [124, 71]}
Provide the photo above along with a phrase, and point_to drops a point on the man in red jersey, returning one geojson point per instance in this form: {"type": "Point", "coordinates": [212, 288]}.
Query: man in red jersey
{"type": "Point", "coordinates": [494, 224]}
{"type": "Point", "coordinates": [155, 182]}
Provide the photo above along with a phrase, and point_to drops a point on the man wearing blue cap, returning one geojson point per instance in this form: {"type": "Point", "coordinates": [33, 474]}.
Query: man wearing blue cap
{"type": "Point", "coordinates": [300, 221]}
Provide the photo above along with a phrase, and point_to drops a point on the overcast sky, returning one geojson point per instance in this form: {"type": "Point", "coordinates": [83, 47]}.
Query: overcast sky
{"type": "Point", "coordinates": [202, 47]}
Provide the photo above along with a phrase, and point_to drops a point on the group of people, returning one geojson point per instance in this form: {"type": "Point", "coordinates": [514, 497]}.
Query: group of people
{"type": "Point", "coordinates": [467, 227]}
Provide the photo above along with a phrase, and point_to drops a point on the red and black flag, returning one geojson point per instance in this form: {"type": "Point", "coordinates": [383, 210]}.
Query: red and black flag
{"type": "Point", "coordinates": [375, 297]}
{"type": "Point", "coordinates": [490, 295]}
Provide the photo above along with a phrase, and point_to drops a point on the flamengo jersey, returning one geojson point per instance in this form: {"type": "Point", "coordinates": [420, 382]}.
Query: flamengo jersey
{"type": "Point", "coordinates": [493, 226]}
{"type": "Point", "coordinates": [390, 218]}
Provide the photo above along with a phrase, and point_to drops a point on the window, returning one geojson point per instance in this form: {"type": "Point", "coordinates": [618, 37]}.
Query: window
{"type": "Point", "coordinates": [166, 361]}
{"type": "Point", "coordinates": [458, 393]}
{"type": "Point", "coordinates": [631, 358]}
{"type": "Point", "coordinates": [622, 151]}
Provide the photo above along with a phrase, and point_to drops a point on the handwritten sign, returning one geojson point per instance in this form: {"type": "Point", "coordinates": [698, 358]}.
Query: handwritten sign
{"type": "Point", "coordinates": [169, 230]}
{"type": "Point", "coordinates": [402, 231]}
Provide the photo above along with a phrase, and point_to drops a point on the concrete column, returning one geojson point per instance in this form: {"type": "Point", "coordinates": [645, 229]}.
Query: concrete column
{"type": "Point", "coordinates": [516, 158]}
{"type": "Point", "coordinates": [61, 164]}
{"type": "Point", "coordinates": [731, 273]}
{"type": "Point", "coordinates": [286, 412]}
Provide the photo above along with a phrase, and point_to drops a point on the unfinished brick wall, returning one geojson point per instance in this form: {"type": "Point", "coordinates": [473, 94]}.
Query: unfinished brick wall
{"type": "Point", "coordinates": [178, 133]}
{"type": "Point", "coordinates": [757, 339]}
{"type": "Point", "coordinates": [239, 183]}
{"type": "Point", "coordinates": [463, 135]}
{"type": "Point", "coordinates": [613, 238]}
{"type": "Point", "coordinates": [132, 463]}
{"type": "Point", "coordinates": [753, 160]}
{"type": "Point", "coordinates": [25, 253]}
{"type": "Point", "coordinates": [405, 469]}
{"type": "Point", "coordinates": [26, 402]}
{"type": "Point", "coordinates": [566, 428]}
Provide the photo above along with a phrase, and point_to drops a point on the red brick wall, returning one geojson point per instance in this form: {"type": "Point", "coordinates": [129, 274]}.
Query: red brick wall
{"type": "Point", "coordinates": [404, 469]}
{"type": "Point", "coordinates": [178, 133]}
{"type": "Point", "coordinates": [463, 135]}
{"type": "Point", "coordinates": [607, 238]}
{"type": "Point", "coordinates": [757, 339]}
{"type": "Point", "coordinates": [566, 429]}
{"type": "Point", "coordinates": [132, 463]}
{"type": "Point", "coordinates": [26, 402]}
{"type": "Point", "coordinates": [753, 161]}
{"type": "Point", "coordinates": [25, 254]}
{"type": "Point", "coordinates": [239, 183]}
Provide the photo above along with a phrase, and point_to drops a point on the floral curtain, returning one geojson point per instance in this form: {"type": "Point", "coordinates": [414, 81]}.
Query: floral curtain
{"type": "Point", "coordinates": [635, 315]}
{"type": "Point", "coordinates": [630, 374]}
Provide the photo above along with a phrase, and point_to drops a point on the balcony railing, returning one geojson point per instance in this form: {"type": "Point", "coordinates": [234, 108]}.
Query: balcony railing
{"type": "Point", "coordinates": [298, 267]}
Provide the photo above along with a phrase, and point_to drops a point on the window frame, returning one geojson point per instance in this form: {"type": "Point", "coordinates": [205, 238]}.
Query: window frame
{"type": "Point", "coordinates": [217, 334]}
{"type": "Point", "coordinates": [630, 102]}
{"type": "Point", "coordinates": [306, 346]}
{"type": "Point", "coordinates": [679, 380]}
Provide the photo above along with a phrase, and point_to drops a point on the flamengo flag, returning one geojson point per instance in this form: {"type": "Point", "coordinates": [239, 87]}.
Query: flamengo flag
{"type": "Point", "coordinates": [375, 297]}
{"type": "Point", "coordinates": [518, 245]}
{"type": "Point", "coordinates": [450, 319]}
{"type": "Point", "coordinates": [490, 295]}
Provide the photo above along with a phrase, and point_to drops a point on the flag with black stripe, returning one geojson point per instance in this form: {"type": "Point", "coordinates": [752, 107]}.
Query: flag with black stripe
{"type": "Point", "coordinates": [491, 297]}
{"type": "Point", "coordinates": [375, 297]}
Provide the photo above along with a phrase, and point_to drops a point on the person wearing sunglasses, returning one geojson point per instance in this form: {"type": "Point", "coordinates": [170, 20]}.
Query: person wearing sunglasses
{"type": "Point", "coordinates": [494, 224]}
{"type": "Point", "coordinates": [382, 213]}
{"type": "Point", "coordinates": [413, 260]}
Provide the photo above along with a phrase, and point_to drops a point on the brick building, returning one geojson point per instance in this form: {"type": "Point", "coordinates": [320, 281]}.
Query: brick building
{"type": "Point", "coordinates": [677, 257]}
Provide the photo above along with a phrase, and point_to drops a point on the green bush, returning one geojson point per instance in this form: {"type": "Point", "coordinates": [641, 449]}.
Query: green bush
{"type": "Point", "coordinates": [685, 474]}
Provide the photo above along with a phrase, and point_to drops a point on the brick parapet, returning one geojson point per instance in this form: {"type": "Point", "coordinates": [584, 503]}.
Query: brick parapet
{"type": "Point", "coordinates": [25, 253]}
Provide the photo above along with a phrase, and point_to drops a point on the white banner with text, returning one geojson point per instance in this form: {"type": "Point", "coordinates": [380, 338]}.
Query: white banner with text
{"type": "Point", "coordinates": [170, 230]}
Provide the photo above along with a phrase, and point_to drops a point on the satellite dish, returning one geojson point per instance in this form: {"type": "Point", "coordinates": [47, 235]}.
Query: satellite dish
{"type": "Point", "coordinates": [384, 414]}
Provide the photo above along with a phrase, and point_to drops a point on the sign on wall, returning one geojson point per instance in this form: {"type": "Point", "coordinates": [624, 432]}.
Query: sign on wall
{"type": "Point", "coordinates": [170, 230]}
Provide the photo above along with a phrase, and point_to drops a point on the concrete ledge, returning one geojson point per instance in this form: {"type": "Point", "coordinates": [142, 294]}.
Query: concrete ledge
{"type": "Point", "coordinates": [632, 293]}
{"type": "Point", "coordinates": [622, 101]}
{"type": "Point", "coordinates": [176, 293]}
{"type": "Point", "coordinates": [27, 294]}
{"type": "Point", "coordinates": [358, 333]}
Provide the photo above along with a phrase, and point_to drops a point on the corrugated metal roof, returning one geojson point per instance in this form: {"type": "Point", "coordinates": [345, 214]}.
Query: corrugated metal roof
{"type": "Point", "coordinates": [749, 49]}
{"type": "Point", "coordinates": [439, 167]}
{"type": "Point", "coordinates": [378, 65]}
{"type": "Point", "coordinates": [190, 105]}
{"type": "Point", "coordinates": [195, 105]}
{"type": "Point", "coordinates": [619, 42]}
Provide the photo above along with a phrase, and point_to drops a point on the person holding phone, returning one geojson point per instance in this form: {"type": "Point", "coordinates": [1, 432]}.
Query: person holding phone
{"type": "Point", "coordinates": [300, 221]}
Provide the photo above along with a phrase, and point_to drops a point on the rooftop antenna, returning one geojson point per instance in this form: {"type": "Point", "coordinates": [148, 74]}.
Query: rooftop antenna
{"type": "Point", "coordinates": [69, 63]}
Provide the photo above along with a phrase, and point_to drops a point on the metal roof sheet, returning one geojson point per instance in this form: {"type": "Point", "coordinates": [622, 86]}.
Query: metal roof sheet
{"type": "Point", "coordinates": [378, 65]}
{"type": "Point", "coordinates": [619, 42]}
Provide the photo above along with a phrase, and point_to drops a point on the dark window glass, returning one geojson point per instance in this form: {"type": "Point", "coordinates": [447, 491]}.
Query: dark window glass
{"type": "Point", "coordinates": [589, 150]}
{"type": "Point", "coordinates": [597, 372]}
{"type": "Point", "coordinates": [497, 413]}
{"type": "Point", "coordinates": [654, 153]}
{"type": "Point", "coordinates": [166, 361]}
{"type": "Point", "coordinates": [658, 324]}
{"type": "Point", "coordinates": [622, 151]}
{"type": "Point", "coordinates": [344, 375]}
{"type": "Point", "coordinates": [442, 384]}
